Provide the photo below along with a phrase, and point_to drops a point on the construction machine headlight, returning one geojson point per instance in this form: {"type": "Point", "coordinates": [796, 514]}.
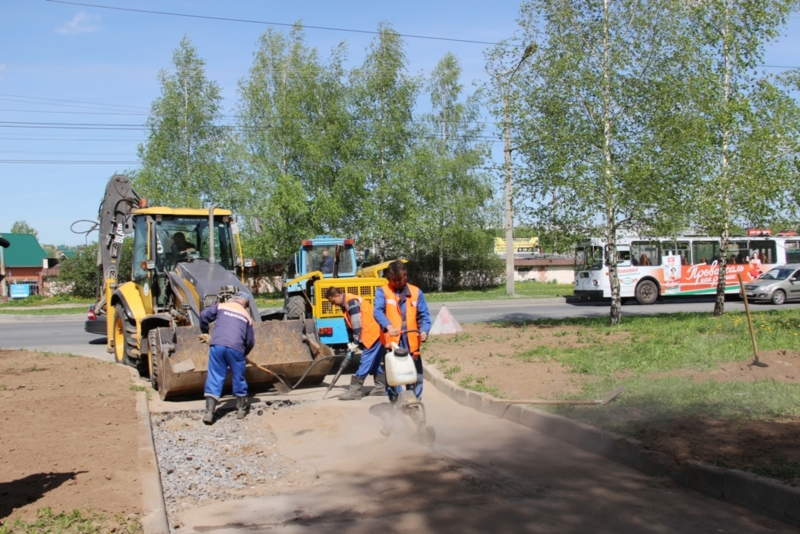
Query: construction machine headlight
{"type": "Point", "coordinates": [209, 301]}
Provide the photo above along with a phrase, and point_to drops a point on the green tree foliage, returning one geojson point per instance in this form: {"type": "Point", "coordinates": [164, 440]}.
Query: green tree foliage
{"type": "Point", "coordinates": [81, 272]}
{"type": "Point", "coordinates": [297, 135]}
{"type": "Point", "coordinates": [22, 227]}
{"type": "Point", "coordinates": [383, 97]}
{"type": "Point", "coordinates": [453, 195]}
{"type": "Point", "coordinates": [184, 157]}
{"type": "Point", "coordinates": [745, 129]}
{"type": "Point", "coordinates": [596, 122]}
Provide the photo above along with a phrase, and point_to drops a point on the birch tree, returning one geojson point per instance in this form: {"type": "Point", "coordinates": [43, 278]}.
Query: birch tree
{"type": "Point", "coordinates": [183, 157]}
{"type": "Point", "coordinates": [296, 129]}
{"type": "Point", "coordinates": [382, 104]}
{"type": "Point", "coordinates": [452, 191]}
{"type": "Point", "coordinates": [745, 121]}
{"type": "Point", "coordinates": [599, 116]}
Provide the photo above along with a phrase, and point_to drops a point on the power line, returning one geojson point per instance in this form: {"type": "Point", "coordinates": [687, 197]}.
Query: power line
{"type": "Point", "coordinates": [139, 114]}
{"type": "Point", "coordinates": [262, 22]}
{"type": "Point", "coordinates": [13, 98]}
{"type": "Point", "coordinates": [65, 162]}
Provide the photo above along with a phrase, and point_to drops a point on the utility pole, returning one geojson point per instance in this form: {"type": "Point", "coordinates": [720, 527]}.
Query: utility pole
{"type": "Point", "coordinates": [509, 180]}
{"type": "Point", "coordinates": [507, 197]}
{"type": "Point", "coordinates": [3, 287]}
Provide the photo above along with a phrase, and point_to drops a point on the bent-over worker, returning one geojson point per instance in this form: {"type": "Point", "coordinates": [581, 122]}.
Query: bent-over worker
{"type": "Point", "coordinates": [364, 332]}
{"type": "Point", "coordinates": [233, 339]}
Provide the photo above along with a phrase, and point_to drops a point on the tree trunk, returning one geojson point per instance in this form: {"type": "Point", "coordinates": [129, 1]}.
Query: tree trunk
{"type": "Point", "coordinates": [719, 304]}
{"type": "Point", "coordinates": [610, 253]}
{"type": "Point", "coordinates": [441, 269]}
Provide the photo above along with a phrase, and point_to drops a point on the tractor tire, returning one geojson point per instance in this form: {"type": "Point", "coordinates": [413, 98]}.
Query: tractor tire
{"type": "Point", "coordinates": [646, 292]}
{"type": "Point", "coordinates": [778, 297]}
{"type": "Point", "coordinates": [124, 340]}
{"type": "Point", "coordinates": [296, 307]}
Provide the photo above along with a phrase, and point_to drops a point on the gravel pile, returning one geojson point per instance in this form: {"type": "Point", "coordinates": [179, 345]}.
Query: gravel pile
{"type": "Point", "coordinates": [226, 460]}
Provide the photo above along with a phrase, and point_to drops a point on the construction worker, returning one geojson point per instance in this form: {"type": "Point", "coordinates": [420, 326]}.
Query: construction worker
{"type": "Point", "coordinates": [232, 341]}
{"type": "Point", "coordinates": [364, 333]}
{"type": "Point", "coordinates": [327, 263]}
{"type": "Point", "coordinates": [399, 308]}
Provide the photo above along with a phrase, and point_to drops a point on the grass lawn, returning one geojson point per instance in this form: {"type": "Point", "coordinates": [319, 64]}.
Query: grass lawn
{"type": "Point", "coordinates": [36, 300]}
{"type": "Point", "coordinates": [45, 311]}
{"type": "Point", "coordinates": [531, 290]}
{"type": "Point", "coordinates": [685, 375]}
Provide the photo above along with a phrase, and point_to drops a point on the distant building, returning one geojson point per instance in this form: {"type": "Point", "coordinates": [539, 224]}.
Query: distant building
{"type": "Point", "coordinates": [24, 262]}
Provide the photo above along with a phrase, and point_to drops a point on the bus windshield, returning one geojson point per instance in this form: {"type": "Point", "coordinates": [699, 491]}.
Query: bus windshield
{"type": "Point", "coordinates": [588, 258]}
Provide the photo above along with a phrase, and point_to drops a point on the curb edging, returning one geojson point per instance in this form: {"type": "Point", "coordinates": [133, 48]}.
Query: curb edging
{"type": "Point", "coordinates": [154, 512]}
{"type": "Point", "coordinates": [760, 494]}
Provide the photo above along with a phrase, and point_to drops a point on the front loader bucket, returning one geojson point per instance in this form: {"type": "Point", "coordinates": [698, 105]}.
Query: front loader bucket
{"type": "Point", "coordinates": [283, 347]}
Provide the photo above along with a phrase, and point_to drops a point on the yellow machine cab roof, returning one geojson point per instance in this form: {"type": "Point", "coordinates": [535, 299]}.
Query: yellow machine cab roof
{"type": "Point", "coordinates": [181, 212]}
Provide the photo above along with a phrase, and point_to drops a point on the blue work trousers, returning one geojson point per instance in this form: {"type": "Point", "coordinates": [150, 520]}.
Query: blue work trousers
{"type": "Point", "coordinates": [220, 358]}
{"type": "Point", "coordinates": [371, 360]}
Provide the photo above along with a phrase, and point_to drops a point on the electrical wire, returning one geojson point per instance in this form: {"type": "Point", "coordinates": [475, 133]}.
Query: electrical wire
{"type": "Point", "coordinates": [263, 22]}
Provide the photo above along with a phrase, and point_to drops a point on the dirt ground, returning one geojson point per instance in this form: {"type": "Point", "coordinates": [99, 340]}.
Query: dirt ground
{"type": "Point", "coordinates": [68, 437]}
{"type": "Point", "coordinates": [760, 445]}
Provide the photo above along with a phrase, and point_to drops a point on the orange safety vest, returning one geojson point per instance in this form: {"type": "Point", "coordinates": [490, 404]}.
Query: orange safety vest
{"type": "Point", "coordinates": [370, 329]}
{"type": "Point", "coordinates": [393, 314]}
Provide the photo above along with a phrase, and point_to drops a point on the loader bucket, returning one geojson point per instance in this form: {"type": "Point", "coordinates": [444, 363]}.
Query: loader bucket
{"type": "Point", "coordinates": [283, 347]}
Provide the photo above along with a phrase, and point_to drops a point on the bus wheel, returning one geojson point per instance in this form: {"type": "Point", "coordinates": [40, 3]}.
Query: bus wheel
{"type": "Point", "coordinates": [646, 292]}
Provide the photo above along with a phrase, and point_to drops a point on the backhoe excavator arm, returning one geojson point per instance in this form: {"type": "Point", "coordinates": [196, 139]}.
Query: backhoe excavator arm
{"type": "Point", "coordinates": [115, 222]}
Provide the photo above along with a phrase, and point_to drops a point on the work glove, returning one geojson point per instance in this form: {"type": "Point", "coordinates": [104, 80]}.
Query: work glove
{"type": "Point", "coordinates": [352, 347]}
{"type": "Point", "coordinates": [205, 338]}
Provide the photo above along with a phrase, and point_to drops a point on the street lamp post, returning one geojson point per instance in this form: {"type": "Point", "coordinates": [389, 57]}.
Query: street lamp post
{"type": "Point", "coordinates": [509, 179]}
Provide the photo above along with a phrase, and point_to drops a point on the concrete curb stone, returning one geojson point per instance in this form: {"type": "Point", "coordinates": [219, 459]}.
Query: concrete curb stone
{"type": "Point", "coordinates": [760, 494]}
{"type": "Point", "coordinates": [154, 511]}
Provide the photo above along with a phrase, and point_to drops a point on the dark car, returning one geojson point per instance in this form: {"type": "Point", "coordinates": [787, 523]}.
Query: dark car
{"type": "Point", "coordinates": [94, 324]}
{"type": "Point", "coordinates": [778, 285]}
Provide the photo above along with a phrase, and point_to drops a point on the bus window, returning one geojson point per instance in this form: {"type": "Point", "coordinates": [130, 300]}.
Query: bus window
{"type": "Point", "coordinates": [677, 248]}
{"type": "Point", "coordinates": [793, 252]}
{"type": "Point", "coordinates": [705, 251]}
{"type": "Point", "coordinates": [766, 250]}
{"type": "Point", "coordinates": [738, 252]}
{"type": "Point", "coordinates": [645, 253]}
{"type": "Point", "coordinates": [623, 257]}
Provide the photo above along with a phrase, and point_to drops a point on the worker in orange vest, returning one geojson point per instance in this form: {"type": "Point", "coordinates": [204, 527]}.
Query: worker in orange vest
{"type": "Point", "coordinates": [399, 308]}
{"type": "Point", "coordinates": [364, 333]}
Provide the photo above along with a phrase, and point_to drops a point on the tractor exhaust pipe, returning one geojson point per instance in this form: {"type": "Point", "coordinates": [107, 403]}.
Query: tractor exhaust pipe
{"type": "Point", "coordinates": [211, 258]}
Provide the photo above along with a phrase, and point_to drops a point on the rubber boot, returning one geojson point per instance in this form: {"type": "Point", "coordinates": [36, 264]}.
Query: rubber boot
{"type": "Point", "coordinates": [211, 405]}
{"type": "Point", "coordinates": [241, 407]}
{"type": "Point", "coordinates": [380, 386]}
{"type": "Point", "coordinates": [354, 393]}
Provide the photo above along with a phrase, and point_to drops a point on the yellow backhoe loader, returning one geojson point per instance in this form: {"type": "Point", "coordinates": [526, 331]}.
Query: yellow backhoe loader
{"type": "Point", "coordinates": [185, 260]}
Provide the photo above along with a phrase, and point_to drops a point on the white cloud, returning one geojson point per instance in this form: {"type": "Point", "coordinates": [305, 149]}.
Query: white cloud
{"type": "Point", "coordinates": [80, 23]}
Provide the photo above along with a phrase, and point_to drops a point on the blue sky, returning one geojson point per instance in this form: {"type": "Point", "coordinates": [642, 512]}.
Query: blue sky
{"type": "Point", "coordinates": [79, 65]}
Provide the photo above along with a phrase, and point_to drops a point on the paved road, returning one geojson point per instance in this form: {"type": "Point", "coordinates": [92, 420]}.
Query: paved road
{"type": "Point", "coordinates": [483, 475]}
{"type": "Point", "coordinates": [65, 333]}
{"type": "Point", "coordinates": [51, 333]}
{"type": "Point", "coordinates": [530, 309]}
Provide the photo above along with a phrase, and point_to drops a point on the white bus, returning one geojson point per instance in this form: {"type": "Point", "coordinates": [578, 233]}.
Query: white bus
{"type": "Point", "coordinates": [650, 267]}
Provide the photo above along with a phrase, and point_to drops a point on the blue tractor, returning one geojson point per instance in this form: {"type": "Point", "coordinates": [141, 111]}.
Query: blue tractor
{"type": "Point", "coordinates": [323, 262]}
